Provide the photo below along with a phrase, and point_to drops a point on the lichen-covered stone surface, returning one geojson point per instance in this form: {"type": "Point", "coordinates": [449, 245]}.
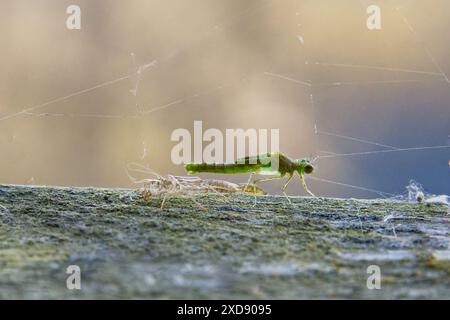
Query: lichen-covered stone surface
{"type": "Point", "coordinates": [231, 248]}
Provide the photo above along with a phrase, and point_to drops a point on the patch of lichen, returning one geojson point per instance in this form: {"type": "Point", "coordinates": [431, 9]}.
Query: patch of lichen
{"type": "Point", "coordinates": [15, 258]}
{"type": "Point", "coordinates": [434, 262]}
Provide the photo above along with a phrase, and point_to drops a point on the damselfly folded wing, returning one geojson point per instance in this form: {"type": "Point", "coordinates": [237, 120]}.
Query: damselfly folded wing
{"type": "Point", "coordinates": [264, 164]}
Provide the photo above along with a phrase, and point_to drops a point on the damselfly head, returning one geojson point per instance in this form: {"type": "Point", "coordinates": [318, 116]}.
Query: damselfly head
{"type": "Point", "coordinates": [305, 166]}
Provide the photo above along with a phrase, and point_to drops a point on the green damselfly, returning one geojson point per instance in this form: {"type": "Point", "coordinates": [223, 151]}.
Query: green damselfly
{"type": "Point", "coordinates": [275, 164]}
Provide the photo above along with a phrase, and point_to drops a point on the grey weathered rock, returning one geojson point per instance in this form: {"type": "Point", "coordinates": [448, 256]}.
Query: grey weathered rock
{"type": "Point", "coordinates": [129, 248]}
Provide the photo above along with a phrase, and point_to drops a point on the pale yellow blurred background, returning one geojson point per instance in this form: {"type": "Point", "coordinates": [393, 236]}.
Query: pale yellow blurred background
{"type": "Point", "coordinates": [200, 45]}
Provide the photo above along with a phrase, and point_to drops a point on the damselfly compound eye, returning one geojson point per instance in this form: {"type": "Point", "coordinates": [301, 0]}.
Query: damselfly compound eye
{"type": "Point", "coordinates": [309, 169]}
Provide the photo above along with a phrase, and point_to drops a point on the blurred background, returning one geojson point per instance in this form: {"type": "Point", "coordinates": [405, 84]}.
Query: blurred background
{"type": "Point", "coordinates": [232, 64]}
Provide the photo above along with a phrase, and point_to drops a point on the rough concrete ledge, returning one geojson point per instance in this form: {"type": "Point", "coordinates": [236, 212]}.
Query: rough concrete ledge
{"type": "Point", "coordinates": [129, 248]}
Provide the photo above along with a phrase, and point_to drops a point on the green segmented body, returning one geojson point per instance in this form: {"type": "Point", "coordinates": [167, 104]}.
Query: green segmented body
{"type": "Point", "coordinates": [228, 168]}
{"type": "Point", "coordinates": [262, 164]}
